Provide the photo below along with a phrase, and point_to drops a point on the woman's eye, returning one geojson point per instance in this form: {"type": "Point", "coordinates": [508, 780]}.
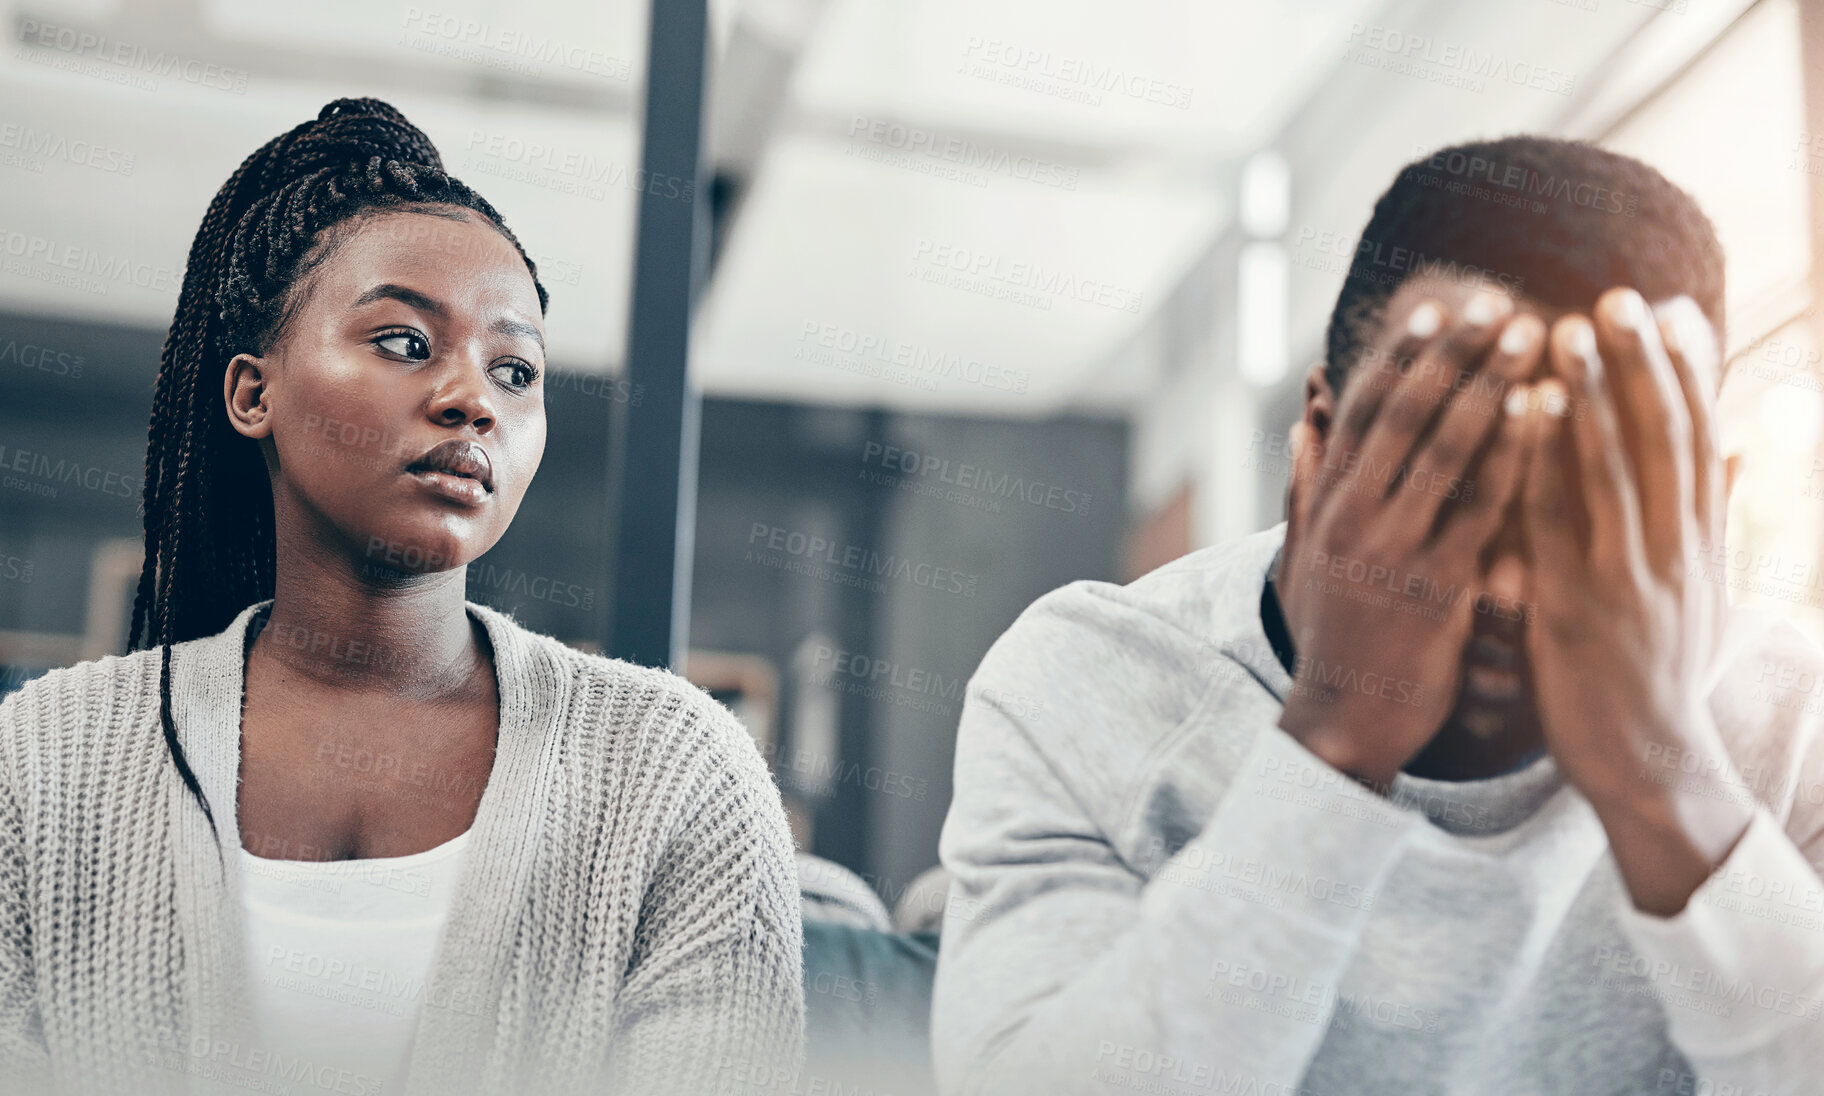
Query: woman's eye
{"type": "Point", "coordinates": [406, 344]}
{"type": "Point", "coordinates": [522, 374]}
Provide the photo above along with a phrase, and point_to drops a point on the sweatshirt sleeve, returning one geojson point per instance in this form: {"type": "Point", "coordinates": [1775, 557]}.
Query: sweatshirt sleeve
{"type": "Point", "coordinates": [1741, 968]}
{"type": "Point", "coordinates": [24, 1058]}
{"type": "Point", "coordinates": [713, 1000]}
{"type": "Point", "coordinates": [1749, 943]}
{"type": "Point", "coordinates": [1065, 970]}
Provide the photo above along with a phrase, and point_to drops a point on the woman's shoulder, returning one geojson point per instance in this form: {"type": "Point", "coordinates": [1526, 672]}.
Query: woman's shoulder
{"type": "Point", "coordinates": [69, 704]}
{"type": "Point", "coordinates": [664, 712]}
{"type": "Point", "coordinates": [95, 689]}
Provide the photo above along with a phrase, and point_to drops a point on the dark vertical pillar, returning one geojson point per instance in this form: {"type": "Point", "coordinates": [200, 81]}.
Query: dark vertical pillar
{"type": "Point", "coordinates": [653, 466]}
{"type": "Point", "coordinates": [845, 823]}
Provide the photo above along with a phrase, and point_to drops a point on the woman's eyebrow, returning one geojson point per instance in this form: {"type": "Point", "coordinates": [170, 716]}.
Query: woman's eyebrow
{"type": "Point", "coordinates": [518, 327]}
{"type": "Point", "coordinates": [388, 291]}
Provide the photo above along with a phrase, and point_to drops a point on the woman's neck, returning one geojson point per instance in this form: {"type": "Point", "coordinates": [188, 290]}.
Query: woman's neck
{"type": "Point", "coordinates": [410, 636]}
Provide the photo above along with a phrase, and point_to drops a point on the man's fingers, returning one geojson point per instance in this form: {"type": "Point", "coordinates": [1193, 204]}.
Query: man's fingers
{"type": "Point", "coordinates": [1691, 346]}
{"type": "Point", "coordinates": [1380, 371]}
{"type": "Point", "coordinates": [1444, 475]}
{"type": "Point", "coordinates": [1655, 423]}
{"type": "Point", "coordinates": [1473, 523]}
{"type": "Point", "coordinates": [1551, 539]}
{"type": "Point", "coordinates": [1448, 366]}
{"type": "Point", "coordinates": [1599, 472]}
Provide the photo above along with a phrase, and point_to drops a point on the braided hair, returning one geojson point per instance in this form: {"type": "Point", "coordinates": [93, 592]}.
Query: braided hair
{"type": "Point", "coordinates": [208, 502]}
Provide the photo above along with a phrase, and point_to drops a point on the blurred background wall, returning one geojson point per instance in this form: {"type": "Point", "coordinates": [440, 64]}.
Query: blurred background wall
{"type": "Point", "coordinates": [1010, 292]}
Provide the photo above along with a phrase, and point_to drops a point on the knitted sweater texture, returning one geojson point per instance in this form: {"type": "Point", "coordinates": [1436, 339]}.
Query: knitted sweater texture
{"type": "Point", "coordinates": [627, 919]}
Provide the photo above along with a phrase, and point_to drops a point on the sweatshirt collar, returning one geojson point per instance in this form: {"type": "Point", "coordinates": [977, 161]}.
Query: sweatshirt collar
{"type": "Point", "coordinates": [461, 993]}
{"type": "Point", "coordinates": [1247, 640]}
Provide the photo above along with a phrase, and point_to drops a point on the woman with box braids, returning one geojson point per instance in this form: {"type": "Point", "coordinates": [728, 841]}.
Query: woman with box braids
{"type": "Point", "coordinates": [329, 817]}
{"type": "Point", "coordinates": [208, 502]}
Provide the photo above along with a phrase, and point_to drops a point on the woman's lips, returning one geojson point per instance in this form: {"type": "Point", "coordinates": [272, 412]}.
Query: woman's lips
{"type": "Point", "coordinates": [453, 487]}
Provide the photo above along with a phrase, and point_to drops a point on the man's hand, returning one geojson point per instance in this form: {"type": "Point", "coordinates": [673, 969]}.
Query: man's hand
{"type": "Point", "coordinates": [1618, 502]}
{"type": "Point", "coordinates": [1400, 509]}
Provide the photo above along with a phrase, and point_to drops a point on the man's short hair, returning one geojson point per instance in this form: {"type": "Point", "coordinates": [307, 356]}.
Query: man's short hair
{"type": "Point", "coordinates": [1557, 221]}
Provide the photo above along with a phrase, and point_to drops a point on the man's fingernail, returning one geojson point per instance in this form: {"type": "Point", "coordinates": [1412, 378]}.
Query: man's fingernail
{"type": "Point", "coordinates": [1631, 309]}
{"type": "Point", "coordinates": [1425, 321]}
{"type": "Point", "coordinates": [1693, 338]}
{"type": "Point", "coordinates": [1480, 311]}
{"type": "Point", "coordinates": [1583, 344]}
{"type": "Point", "coordinates": [1517, 338]}
{"type": "Point", "coordinates": [1519, 398]}
{"type": "Point", "coordinates": [1553, 400]}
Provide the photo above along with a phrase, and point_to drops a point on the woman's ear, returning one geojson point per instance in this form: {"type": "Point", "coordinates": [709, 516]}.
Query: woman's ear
{"type": "Point", "coordinates": [244, 387]}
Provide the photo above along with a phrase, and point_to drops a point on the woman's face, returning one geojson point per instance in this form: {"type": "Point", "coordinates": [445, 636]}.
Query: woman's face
{"type": "Point", "coordinates": [402, 410]}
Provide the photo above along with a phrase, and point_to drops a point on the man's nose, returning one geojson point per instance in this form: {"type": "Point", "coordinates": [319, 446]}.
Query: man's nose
{"type": "Point", "coordinates": [1500, 608]}
{"type": "Point", "coordinates": [1506, 578]}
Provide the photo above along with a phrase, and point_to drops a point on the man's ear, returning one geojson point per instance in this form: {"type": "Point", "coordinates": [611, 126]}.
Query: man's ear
{"type": "Point", "coordinates": [1312, 429]}
{"type": "Point", "coordinates": [1306, 440]}
{"type": "Point", "coordinates": [244, 387]}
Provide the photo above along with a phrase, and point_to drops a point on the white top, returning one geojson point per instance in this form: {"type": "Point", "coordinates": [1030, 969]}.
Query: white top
{"type": "Point", "coordinates": [337, 956]}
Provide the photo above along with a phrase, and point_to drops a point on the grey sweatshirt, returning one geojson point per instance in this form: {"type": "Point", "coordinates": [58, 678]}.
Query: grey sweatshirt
{"type": "Point", "coordinates": [1158, 890]}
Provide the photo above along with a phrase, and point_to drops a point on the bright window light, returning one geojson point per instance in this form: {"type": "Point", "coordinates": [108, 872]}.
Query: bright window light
{"type": "Point", "coordinates": [1266, 195]}
{"type": "Point", "coordinates": [1261, 316]}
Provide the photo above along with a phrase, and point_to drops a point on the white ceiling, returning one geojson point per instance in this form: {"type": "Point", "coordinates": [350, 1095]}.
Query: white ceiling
{"type": "Point", "coordinates": [1135, 115]}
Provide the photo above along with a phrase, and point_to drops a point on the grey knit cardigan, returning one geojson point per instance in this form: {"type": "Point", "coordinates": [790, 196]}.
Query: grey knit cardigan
{"type": "Point", "coordinates": [627, 918]}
